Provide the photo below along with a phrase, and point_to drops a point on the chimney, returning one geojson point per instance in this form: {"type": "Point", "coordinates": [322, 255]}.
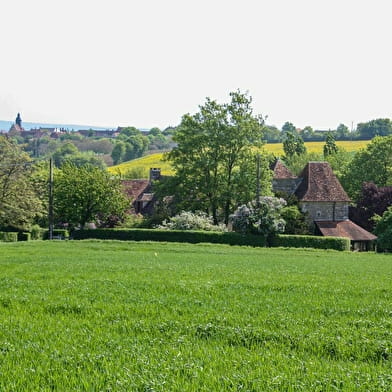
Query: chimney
{"type": "Point", "coordinates": [155, 174]}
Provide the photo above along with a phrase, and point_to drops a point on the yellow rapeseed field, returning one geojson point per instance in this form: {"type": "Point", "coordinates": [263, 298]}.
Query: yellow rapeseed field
{"type": "Point", "coordinates": [355, 145]}
{"type": "Point", "coordinates": [156, 160]}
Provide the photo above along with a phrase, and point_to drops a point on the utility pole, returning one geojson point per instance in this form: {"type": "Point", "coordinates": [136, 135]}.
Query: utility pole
{"type": "Point", "coordinates": [50, 215]}
{"type": "Point", "coordinates": [258, 181]}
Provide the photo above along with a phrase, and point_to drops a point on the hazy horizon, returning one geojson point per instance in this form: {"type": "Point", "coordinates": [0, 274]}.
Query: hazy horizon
{"type": "Point", "coordinates": [146, 64]}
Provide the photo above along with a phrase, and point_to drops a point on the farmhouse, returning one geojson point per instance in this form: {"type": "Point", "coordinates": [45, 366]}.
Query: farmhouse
{"type": "Point", "coordinates": [321, 195]}
{"type": "Point", "coordinates": [140, 192]}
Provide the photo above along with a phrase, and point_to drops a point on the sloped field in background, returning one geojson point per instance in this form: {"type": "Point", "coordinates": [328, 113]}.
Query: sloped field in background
{"type": "Point", "coordinates": [125, 316]}
{"type": "Point", "coordinates": [156, 160]}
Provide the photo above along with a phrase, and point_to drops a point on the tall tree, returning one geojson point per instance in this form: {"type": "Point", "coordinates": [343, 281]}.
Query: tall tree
{"type": "Point", "coordinates": [87, 194]}
{"type": "Point", "coordinates": [212, 146]}
{"type": "Point", "coordinates": [378, 127]}
{"type": "Point", "coordinates": [372, 164]}
{"type": "Point", "coordinates": [293, 145]}
{"type": "Point", "coordinates": [19, 202]}
{"type": "Point", "coordinates": [330, 146]}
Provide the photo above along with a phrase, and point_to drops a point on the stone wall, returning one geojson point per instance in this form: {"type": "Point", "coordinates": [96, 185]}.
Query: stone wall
{"type": "Point", "coordinates": [325, 211]}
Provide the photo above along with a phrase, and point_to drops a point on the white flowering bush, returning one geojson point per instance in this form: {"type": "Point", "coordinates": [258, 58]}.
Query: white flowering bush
{"type": "Point", "coordinates": [263, 217]}
{"type": "Point", "coordinates": [191, 221]}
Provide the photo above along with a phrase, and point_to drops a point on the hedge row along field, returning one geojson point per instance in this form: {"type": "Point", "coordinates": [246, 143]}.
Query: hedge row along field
{"type": "Point", "coordinates": [125, 316]}
{"type": "Point", "coordinates": [156, 160]}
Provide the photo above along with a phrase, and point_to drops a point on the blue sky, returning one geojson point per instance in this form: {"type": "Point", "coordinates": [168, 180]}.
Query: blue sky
{"type": "Point", "coordinates": [146, 63]}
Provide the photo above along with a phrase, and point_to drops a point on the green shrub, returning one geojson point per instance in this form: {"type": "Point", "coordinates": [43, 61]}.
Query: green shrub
{"type": "Point", "coordinates": [57, 234]}
{"type": "Point", "coordinates": [24, 236]}
{"type": "Point", "coordinates": [36, 232]}
{"type": "Point", "coordinates": [6, 236]}
{"type": "Point", "coordinates": [171, 236]}
{"type": "Point", "coordinates": [187, 220]}
{"type": "Point", "coordinates": [308, 241]}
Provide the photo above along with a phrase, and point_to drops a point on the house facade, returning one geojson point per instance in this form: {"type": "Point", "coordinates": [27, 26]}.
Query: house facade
{"type": "Point", "coordinates": [323, 198]}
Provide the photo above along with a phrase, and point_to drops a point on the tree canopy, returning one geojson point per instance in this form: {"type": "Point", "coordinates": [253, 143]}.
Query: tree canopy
{"type": "Point", "coordinates": [372, 164]}
{"type": "Point", "coordinates": [87, 194]}
{"type": "Point", "coordinates": [215, 159]}
{"type": "Point", "coordinates": [19, 202]}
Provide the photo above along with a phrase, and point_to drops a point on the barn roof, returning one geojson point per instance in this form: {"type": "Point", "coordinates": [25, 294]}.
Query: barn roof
{"type": "Point", "coordinates": [136, 188]}
{"type": "Point", "coordinates": [280, 170]}
{"type": "Point", "coordinates": [319, 183]}
{"type": "Point", "coordinates": [344, 228]}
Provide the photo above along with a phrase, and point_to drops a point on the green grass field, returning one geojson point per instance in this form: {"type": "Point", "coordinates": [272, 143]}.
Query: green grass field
{"type": "Point", "coordinates": [123, 316]}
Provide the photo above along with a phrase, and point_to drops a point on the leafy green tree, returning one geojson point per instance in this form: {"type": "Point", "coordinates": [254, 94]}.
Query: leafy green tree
{"type": "Point", "coordinates": [307, 132]}
{"type": "Point", "coordinates": [293, 145]}
{"type": "Point", "coordinates": [330, 146]}
{"type": "Point", "coordinates": [134, 142]}
{"type": "Point", "coordinates": [296, 222]}
{"type": "Point", "coordinates": [19, 201]}
{"type": "Point", "coordinates": [87, 194]}
{"type": "Point", "coordinates": [372, 164]}
{"type": "Point", "coordinates": [212, 146]}
{"type": "Point", "coordinates": [378, 127]}
{"type": "Point", "coordinates": [342, 132]}
{"type": "Point", "coordinates": [118, 153]}
{"type": "Point", "coordinates": [383, 230]}
{"type": "Point", "coordinates": [289, 127]}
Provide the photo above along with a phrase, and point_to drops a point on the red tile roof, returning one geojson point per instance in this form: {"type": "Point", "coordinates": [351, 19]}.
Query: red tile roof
{"type": "Point", "coordinates": [319, 183]}
{"type": "Point", "coordinates": [346, 229]}
{"type": "Point", "coordinates": [135, 188]}
{"type": "Point", "coordinates": [281, 171]}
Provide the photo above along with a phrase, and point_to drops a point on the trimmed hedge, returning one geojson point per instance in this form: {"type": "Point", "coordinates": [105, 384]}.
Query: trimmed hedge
{"type": "Point", "coordinates": [309, 241]}
{"type": "Point", "coordinates": [8, 236]}
{"type": "Point", "coordinates": [193, 237]}
{"type": "Point", "coordinates": [24, 236]}
{"type": "Point", "coordinates": [57, 234]}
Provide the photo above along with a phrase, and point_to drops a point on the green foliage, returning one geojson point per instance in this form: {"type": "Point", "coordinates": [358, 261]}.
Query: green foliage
{"type": "Point", "coordinates": [260, 217]}
{"type": "Point", "coordinates": [308, 241]}
{"type": "Point", "coordinates": [373, 128]}
{"type": "Point", "coordinates": [293, 145]}
{"type": "Point", "coordinates": [62, 234]}
{"type": "Point", "coordinates": [330, 146]}
{"type": "Point", "coordinates": [187, 220]}
{"type": "Point", "coordinates": [296, 163]}
{"type": "Point", "coordinates": [160, 235]}
{"type": "Point", "coordinates": [135, 173]}
{"type": "Point", "coordinates": [289, 127]}
{"type": "Point", "coordinates": [130, 144]}
{"type": "Point", "coordinates": [7, 236]}
{"type": "Point", "coordinates": [68, 153]}
{"type": "Point", "coordinates": [383, 230]}
{"type": "Point", "coordinates": [372, 164]}
{"type": "Point", "coordinates": [214, 147]}
{"type": "Point", "coordinates": [87, 194]}
{"type": "Point", "coordinates": [36, 232]}
{"type": "Point", "coordinates": [342, 132]}
{"type": "Point", "coordinates": [24, 236]}
{"type": "Point", "coordinates": [19, 202]}
{"type": "Point", "coordinates": [296, 222]}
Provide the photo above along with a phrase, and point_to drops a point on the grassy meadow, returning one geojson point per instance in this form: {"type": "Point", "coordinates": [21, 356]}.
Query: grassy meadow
{"type": "Point", "coordinates": [123, 316]}
{"type": "Point", "coordinates": [143, 164]}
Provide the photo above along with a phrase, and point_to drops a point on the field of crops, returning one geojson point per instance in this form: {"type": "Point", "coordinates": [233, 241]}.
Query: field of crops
{"type": "Point", "coordinates": [118, 316]}
{"type": "Point", "coordinates": [155, 160]}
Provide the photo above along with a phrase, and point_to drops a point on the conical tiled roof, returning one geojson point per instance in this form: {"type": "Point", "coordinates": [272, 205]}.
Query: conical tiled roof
{"type": "Point", "coordinates": [319, 183]}
{"type": "Point", "coordinates": [280, 170]}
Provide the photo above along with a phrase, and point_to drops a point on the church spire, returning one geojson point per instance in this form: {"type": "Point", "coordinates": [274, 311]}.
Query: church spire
{"type": "Point", "coordinates": [18, 120]}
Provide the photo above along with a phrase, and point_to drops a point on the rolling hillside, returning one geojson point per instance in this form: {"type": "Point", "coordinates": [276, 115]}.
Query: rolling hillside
{"type": "Point", "coordinates": [143, 164]}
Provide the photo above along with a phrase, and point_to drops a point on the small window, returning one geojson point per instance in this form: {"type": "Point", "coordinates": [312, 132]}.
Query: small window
{"type": "Point", "coordinates": [318, 214]}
